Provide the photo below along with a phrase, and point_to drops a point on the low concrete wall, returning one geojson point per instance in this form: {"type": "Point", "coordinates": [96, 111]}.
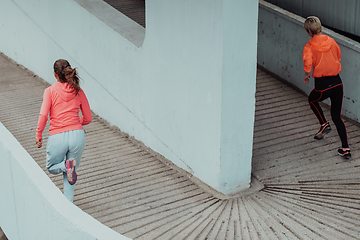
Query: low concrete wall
{"type": "Point", "coordinates": [281, 41]}
{"type": "Point", "coordinates": [32, 207]}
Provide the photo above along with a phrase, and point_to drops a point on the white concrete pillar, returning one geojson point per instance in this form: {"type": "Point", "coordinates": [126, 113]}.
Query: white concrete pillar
{"type": "Point", "coordinates": [238, 93]}
{"type": "Point", "coordinates": [206, 50]}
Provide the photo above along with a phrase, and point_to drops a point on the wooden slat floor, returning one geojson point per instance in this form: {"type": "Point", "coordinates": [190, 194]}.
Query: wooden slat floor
{"type": "Point", "coordinates": [2, 235]}
{"type": "Point", "coordinates": [310, 192]}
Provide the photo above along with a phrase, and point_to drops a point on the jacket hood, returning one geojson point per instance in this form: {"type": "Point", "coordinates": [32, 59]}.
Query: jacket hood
{"type": "Point", "coordinates": [322, 43]}
{"type": "Point", "coordinates": [65, 92]}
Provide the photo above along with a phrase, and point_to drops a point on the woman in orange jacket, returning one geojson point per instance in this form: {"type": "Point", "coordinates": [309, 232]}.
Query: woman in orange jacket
{"type": "Point", "coordinates": [323, 54]}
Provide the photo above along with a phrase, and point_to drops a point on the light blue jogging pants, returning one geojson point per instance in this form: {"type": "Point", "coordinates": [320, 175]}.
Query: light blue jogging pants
{"type": "Point", "coordinates": [61, 147]}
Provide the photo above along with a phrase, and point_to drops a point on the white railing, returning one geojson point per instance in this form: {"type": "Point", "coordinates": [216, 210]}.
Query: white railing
{"type": "Point", "coordinates": [32, 207]}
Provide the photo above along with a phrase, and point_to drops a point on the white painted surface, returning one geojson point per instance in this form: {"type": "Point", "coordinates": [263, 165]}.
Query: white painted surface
{"type": "Point", "coordinates": [116, 20]}
{"type": "Point", "coordinates": [32, 207]}
{"type": "Point", "coordinates": [187, 92]}
{"type": "Point", "coordinates": [238, 92]}
{"type": "Point", "coordinates": [281, 41]}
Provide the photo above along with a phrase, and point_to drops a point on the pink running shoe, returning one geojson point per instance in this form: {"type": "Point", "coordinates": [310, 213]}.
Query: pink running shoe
{"type": "Point", "coordinates": [70, 170]}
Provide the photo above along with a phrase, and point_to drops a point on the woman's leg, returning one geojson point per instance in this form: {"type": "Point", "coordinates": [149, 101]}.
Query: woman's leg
{"type": "Point", "coordinates": [76, 143]}
{"type": "Point", "coordinates": [56, 150]}
{"type": "Point", "coordinates": [336, 106]}
{"type": "Point", "coordinates": [314, 98]}
{"type": "Point", "coordinates": [67, 144]}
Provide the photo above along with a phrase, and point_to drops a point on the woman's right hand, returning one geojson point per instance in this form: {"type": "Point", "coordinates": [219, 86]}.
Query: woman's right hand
{"type": "Point", "coordinates": [306, 77]}
{"type": "Point", "coordinates": [39, 142]}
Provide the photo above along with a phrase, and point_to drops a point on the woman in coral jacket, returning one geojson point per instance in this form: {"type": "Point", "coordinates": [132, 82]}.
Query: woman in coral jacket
{"type": "Point", "coordinates": [66, 142]}
{"type": "Point", "coordinates": [323, 54]}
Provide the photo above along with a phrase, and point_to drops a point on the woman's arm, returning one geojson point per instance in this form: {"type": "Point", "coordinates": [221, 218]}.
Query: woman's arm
{"type": "Point", "coordinates": [85, 109]}
{"type": "Point", "coordinates": [307, 58]}
{"type": "Point", "coordinates": [43, 115]}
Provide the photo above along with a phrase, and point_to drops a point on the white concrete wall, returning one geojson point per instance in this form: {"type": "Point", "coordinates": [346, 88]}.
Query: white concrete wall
{"type": "Point", "coordinates": [238, 92]}
{"type": "Point", "coordinates": [184, 86]}
{"type": "Point", "coordinates": [281, 41]}
{"type": "Point", "coordinates": [32, 207]}
{"type": "Point", "coordinates": [207, 68]}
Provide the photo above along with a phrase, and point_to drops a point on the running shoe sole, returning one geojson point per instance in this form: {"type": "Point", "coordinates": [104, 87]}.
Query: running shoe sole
{"type": "Point", "coordinates": [346, 154]}
{"type": "Point", "coordinates": [320, 135]}
{"type": "Point", "coordinates": [70, 170]}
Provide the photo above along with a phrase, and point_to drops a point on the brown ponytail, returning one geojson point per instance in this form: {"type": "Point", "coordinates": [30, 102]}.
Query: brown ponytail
{"type": "Point", "coordinates": [67, 74]}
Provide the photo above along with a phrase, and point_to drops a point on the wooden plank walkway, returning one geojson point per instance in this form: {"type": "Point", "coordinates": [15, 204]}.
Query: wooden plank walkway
{"type": "Point", "coordinates": [310, 192]}
{"type": "Point", "coordinates": [2, 235]}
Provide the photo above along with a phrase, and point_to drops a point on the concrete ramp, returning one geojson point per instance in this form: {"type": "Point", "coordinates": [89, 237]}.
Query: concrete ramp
{"type": "Point", "coordinates": [309, 192]}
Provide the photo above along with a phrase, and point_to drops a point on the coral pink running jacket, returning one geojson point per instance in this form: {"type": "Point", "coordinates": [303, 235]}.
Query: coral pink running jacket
{"type": "Point", "coordinates": [63, 105]}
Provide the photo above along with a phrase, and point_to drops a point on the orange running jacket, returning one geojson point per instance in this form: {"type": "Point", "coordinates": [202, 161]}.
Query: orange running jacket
{"type": "Point", "coordinates": [324, 55]}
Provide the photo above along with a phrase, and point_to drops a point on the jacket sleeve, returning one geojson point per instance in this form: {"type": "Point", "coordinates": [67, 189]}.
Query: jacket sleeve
{"type": "Point", "coordinates": [307, 58]}
{"type": "Point", "coordinates": [44, 112]}
{"type": "Point", "coordinates": [338, 51]}
{"type": "Point", "coordinates": [85, 109]}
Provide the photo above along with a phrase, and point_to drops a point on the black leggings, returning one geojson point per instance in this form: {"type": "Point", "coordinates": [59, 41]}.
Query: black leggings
{"type": "Point", "coordinates": [336, 96]}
